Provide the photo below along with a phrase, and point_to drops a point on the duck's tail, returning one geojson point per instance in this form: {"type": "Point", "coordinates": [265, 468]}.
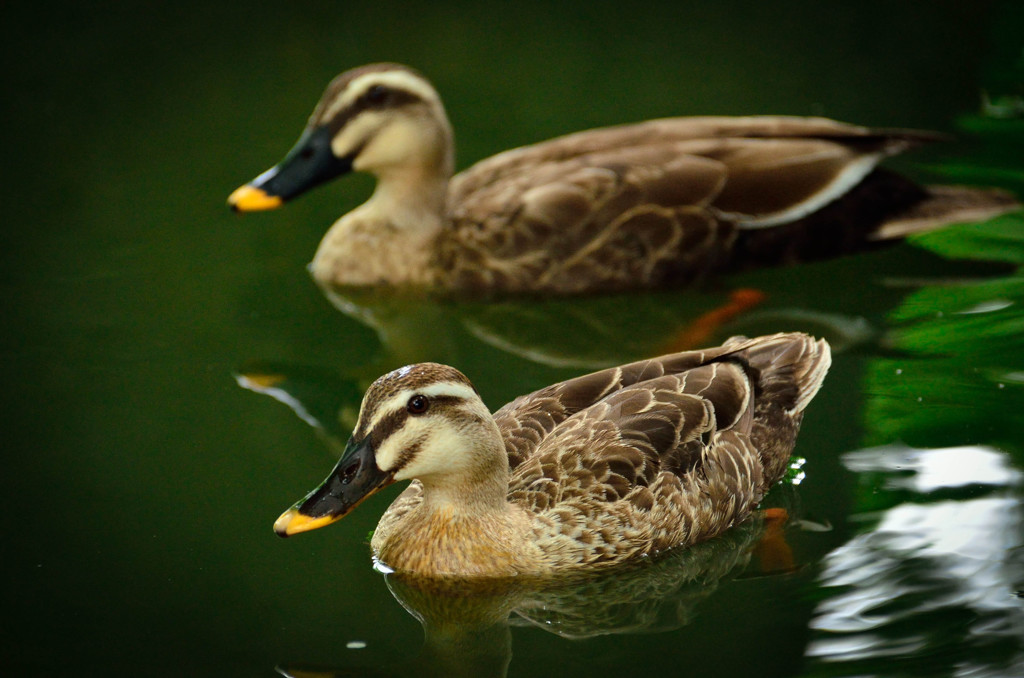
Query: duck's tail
{"type": "Point", "coordinates": [946, 205]}
{"type": "Point", "coordinates": [882, 208]}
{"type": "Point", "coordinates": [788, 367]}
{"type": "Point", "coordinates": [787, 371]}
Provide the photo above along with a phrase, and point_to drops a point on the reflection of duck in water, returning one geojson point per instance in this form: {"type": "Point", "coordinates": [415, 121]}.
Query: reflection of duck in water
{"type": "Point", "coordinates": [466, 623]}
{"type": "Point", "coordinates": [591, 332]}
{"type": "Point", "coordinates": [579, 476]}
{"type": "Point", "coordinates": [638, 206]}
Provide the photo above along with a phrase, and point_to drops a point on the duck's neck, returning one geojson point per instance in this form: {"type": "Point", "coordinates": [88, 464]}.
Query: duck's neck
{"type": "Point", "coordinates": [477, 493]}
{"type": "Point", "coordinates": [463, 526]}
{"type": "Point", "coordinates": [388, 240]}
{"type": "Point", "coordinates": [408, 196]}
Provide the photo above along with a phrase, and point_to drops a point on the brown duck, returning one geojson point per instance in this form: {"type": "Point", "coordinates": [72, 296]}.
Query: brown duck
{"type": "Point", "coordinates": [578, 476]}
{"type": "Point", "coordinates": [637, 206]}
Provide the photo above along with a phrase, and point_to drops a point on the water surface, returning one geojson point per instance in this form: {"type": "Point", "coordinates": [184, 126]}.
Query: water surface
{"type": "Point", "coordinates": [145, 463]}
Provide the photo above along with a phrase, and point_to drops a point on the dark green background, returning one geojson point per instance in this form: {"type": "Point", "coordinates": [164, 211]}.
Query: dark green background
{"type": "Point", "coordinates": [141, 482]}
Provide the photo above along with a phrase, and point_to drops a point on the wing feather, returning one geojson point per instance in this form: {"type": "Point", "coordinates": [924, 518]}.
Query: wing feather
{"type": "Point", "coordinates": [646, 204]}
{"type": "Point", "coordinates": [664, 451]}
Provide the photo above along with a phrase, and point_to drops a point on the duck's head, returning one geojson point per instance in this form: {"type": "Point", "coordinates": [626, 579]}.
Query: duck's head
{"type": "Point", "coordinates": [422, 421]}
{"type": "Point", "coordinates": [385, 119]}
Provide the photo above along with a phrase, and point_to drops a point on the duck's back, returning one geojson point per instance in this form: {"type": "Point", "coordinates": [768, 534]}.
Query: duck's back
{"type": "Point", "coordinates": [659, 453]}
{"type": "Point", "coordinates": [476, 181]}
{"type": "Point", "coordinates": [668, 201]}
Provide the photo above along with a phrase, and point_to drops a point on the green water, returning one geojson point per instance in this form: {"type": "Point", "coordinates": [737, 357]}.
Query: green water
{"type": "Point", "coordinates": [141, 480]}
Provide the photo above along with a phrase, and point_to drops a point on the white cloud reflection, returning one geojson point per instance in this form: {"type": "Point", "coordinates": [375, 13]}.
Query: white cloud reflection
{"type": "Point", "coordinates": [934, 584]}
{"type": "Point", "coordinates": [936, 469]}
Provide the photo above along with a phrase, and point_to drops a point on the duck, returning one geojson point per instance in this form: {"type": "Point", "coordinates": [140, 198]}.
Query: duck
{"type": "Point", "coordinates": [639, 206]}
{"type": "Point", "coordinates": [582, 475]}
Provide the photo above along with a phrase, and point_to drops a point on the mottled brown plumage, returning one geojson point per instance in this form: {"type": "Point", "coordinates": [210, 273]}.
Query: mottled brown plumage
{"type": "Point", "coordinates": [578, 476]}
{"type": "Point", "coordinates": [637, 206]}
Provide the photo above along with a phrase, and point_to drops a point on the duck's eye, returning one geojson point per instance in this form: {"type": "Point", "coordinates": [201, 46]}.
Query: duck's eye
{"type": "Point", "coordinates": [417, 404]}
{"type": "Point", "coordinates": [377, 94]}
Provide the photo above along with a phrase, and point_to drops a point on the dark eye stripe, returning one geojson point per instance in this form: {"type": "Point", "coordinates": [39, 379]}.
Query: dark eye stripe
{"type": "Point", "coordinates": [409, 453]}
{"type": "Point", "coordinates": [386, 426]}
{"type": "Point", "coordinates": [396, 419]}
{"type": "Point", "coordinates": [371, 99]}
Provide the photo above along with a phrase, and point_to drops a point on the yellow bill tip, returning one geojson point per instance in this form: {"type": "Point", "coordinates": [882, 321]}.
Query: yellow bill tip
{"type": "Point", "coordinates": [248, 198]}
{"type": "Point", "coordinates": [292, 522]}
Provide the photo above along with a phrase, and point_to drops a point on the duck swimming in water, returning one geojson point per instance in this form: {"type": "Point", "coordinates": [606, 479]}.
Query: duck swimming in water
{"type": "Point", "coordinates": [663, 202]}
{"type": "Point", "coordinates": [578, 476]}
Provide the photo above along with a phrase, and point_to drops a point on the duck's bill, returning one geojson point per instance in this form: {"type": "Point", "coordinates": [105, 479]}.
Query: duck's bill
{"type": "Point", "coordinates": [354, 479]}
{"type": "Point", "coordinates": [310, 163]}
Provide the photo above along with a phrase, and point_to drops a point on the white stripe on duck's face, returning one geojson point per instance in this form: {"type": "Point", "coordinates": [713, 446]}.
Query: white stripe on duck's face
{"type": "Point", "coordinates": [384, 119]}
{"type": "Point", "coordinates": [378, 89]}
{"type": "Point", "coordinates": [420, 426]}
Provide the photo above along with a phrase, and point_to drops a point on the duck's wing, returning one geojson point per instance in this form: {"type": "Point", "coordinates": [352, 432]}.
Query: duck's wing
{"type": "Point", "coordinates": [676, 458]}
{"type": "Point", "coordinates": [624, 441]}
{"type": "Point", "coordinates": [619, 479]}
{"type": "Point", "coordinates": [526, 159]}
{"type": "Point", "coordinates": [789, 369]}
{"type": "Point", "coordinates": [646, 204]}
{"type": "Point", "coordinates": [529, 419]}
